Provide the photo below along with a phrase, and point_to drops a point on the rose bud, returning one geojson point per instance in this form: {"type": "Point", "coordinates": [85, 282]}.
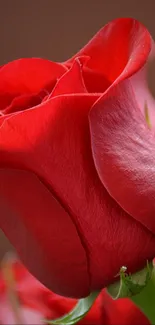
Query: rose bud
{"type": "Point", "coordinates": [77, 187]}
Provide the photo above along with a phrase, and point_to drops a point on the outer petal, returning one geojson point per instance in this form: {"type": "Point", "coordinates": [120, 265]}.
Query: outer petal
{"type": "Point", "coordinates": [119, 44]}
{"type": "Point", "coordinates": [58, 150]}
{"type": "Point", "coordinates": [27, 76]}
{"type": "Point", "coordinates": [43, 233]}
{"type": "Point", "coordinates": [124, 152]}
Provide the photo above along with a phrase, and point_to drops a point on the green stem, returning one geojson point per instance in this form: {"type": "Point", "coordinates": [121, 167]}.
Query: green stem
{"type": "Point", "coordinates": [77, 313]}
{"type": "Point", "coordinates": [145, 300]}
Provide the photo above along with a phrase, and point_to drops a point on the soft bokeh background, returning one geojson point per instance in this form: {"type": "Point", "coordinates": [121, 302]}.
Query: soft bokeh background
{"type": "Point", "coordinates": [56, 29]}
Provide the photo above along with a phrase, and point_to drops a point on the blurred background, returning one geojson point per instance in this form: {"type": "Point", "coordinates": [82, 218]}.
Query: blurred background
{"type": "Point", "coordinates": [57, 29]}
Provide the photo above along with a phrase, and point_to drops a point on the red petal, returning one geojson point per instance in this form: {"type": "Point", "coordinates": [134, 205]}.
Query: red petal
{"type": "Point", "coordinates": [95, 82]}
{"type": "Point", "coordinates": [58, 150]}
{"type": "Point", "coordinates": [71, 81]}
{"type": "Point", "coordinates": [122, 45]}
{"type": "Point", "coordinates": [22, 102]}
{"type": "Point", "coordinates": [19, 103]}
{"type": "Point", "coordinates": [43, 233]}
{"type": "Point", "coordinates": [27, 76]}
{"type": "Point", "coordinates": [124, 153]}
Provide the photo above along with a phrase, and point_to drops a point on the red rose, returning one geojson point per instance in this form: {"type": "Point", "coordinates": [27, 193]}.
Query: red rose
{"type": "Point", "coordinates": [77, 161]}
{"type": "Point", "coordinates": [37, 303]}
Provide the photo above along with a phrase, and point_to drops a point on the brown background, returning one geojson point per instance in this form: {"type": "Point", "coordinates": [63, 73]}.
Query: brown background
{"type": "Point", "coordinates": [57, 29]}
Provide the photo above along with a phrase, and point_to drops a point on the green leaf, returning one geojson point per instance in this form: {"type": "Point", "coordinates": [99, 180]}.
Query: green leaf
{"type": "Point", "coordinates": [139, 287]}
{"type": "Point", "coordinates": [130, 285]}
{"type": "Point", "coordinates": [77, 313]}
{"type": "Point", "coordinates": [146, 299]}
